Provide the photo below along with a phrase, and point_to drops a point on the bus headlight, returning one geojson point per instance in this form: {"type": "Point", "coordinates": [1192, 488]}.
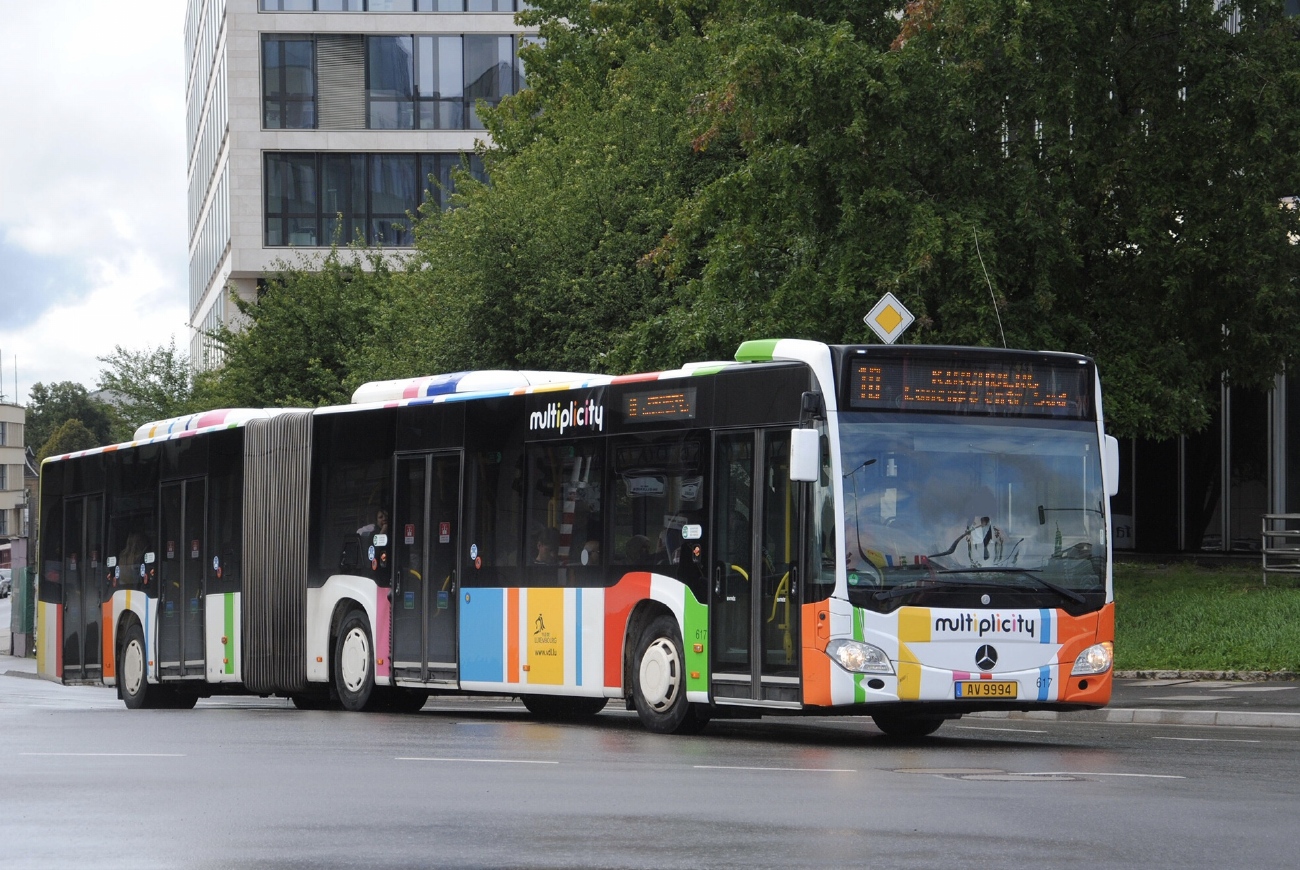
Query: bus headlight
{"type": "Point", "coordinates": [858, 657]}
{"type": "Point", "coordinates": [1096, 659]}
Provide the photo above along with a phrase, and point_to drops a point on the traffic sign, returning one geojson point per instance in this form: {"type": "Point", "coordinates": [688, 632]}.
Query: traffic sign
{"type": "Point", "coordinates": [889, 318]}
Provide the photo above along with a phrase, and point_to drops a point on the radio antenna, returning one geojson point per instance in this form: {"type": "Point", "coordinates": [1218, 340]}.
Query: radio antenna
{"type": "Point", "coordinates": [990, 283]}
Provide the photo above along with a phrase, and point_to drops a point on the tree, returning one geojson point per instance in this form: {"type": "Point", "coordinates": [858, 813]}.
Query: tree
{"type": "Point", "coordinates": [50, 407]}
{"type": "Point", "coordinates": [147, 385]}
{"type": "Point", "coordinates": [1105, 177]}
{"type": "Point", "coordinates": [71, 436]}
{"type": "Point", "coordinates": [301, 339]}
{"type": "Point", "coordinates": [548, 265]}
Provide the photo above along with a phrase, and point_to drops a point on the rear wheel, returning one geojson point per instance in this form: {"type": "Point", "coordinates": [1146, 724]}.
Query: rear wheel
{"type": "Point", "coordinates": [907, 727]}
{"type": "Point", "coordinates": [659, 681]}
{"type": "Point", "coordinates": [354, 662]}
{"type": "Point", "coordinates": [563, 709]}
{"type": "Point", "coordinates": [132, 671]}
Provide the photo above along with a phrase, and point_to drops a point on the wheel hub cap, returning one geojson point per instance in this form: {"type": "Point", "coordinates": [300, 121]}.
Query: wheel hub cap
{"type": "Point", "coordinates": [133, 667]}
{"type": "Point", "coordinates": [661, 675]}
{"type": "Point", "coordinates": [355, 660]}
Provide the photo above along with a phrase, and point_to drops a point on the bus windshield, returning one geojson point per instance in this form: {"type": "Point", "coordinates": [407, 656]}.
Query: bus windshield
{"type": "Point", "coordinates": [940, 508]}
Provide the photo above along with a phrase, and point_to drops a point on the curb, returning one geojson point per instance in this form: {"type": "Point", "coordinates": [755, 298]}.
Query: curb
{"type": "Point", "coordinates": [1225, 676]}
{"type": "Point", "coordinates": [1126, 716]}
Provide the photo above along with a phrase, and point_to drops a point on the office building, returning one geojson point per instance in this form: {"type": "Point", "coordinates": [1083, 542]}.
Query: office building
{"type": "Point", "coordinates": [313, 122]}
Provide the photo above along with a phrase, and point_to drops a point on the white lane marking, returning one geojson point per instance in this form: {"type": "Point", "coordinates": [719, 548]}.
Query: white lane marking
{"type": "Point", "coordinates": [1094, 773]}
{"type": "Point", "coordinates": [781, 769]}
{"type": "Point", "coordinates": [1207, 739]}
{"type": "Point", "coordinates": [105, 754]}
{"type": "Point", "coordinates": [479, 760]}
{"type": "Point", "coordinates": [1012, 730]}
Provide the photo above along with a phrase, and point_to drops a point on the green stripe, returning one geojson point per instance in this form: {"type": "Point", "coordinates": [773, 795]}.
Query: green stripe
{"type": "Point", "coordinates": [229, 633]}
{"type": "Point", "coordinates": [759, 350]}
{"type": "Point", "coordinates": [859, 693]}
{"type": "Point", "coordinates": [696, 618]}
{"type": "Point", "coordinates": [708, 370]}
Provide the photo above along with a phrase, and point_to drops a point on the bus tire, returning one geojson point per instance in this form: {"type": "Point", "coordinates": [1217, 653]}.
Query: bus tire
{"type": "Point", "coordinates": [563, 709]}
{"type": "Point", "coordinates": [354, 662]}
{"type": "Point", "coordinates": [404, 700]}
{"type": "Point", "coordinates": [659, 681]}
{"type": "Point", "coordinates": [907, 727]}
{"type": "Point", "coordinates": [133, 672]}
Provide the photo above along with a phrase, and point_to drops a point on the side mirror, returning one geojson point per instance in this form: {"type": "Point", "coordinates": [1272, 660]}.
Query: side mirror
{"type": "Point", "coordinates": [1110, 465]}
{"type": "Point", "coordinates": [805, 455]}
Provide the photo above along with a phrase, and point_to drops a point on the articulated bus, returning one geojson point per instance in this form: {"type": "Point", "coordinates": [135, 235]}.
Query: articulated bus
{"type": "Point", "coordinates": [909, 533]}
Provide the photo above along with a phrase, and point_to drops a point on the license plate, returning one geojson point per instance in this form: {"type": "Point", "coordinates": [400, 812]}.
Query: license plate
{"type": "Point", "coordinates": [986, 688]}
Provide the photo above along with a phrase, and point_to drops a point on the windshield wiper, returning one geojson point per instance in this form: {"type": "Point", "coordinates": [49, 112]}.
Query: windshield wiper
{"type": "Point", "coordinates": [913, 585]}
{"type": "Point", "coordinates": [1047, 584]}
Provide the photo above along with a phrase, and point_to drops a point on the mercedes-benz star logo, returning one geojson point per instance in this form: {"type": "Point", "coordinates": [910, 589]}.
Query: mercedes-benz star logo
{"type": "Point", "coordinates": [986, 657]}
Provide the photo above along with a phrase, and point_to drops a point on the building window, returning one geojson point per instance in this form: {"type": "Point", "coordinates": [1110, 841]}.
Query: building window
{"type": "Point", "coordinates": [3, 434]}
{"type": "Point", "coordinates": [4, 477]}
{"type": "Point", "coordinates": [410, 82]}
{"type": "Point", "coordinates": [323, 199]}
{"type": "Point", "coordinates": [289, 83]}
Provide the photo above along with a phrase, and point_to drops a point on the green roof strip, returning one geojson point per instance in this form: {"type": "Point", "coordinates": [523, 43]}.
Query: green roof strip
{"type": "Point", "coordinates": [708, 370]}
{"type": "Point", "coordinates": [760, 350]}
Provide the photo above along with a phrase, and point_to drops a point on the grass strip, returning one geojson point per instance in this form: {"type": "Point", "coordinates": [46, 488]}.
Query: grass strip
{"type": "Point", "coordinates": [1185, 617]}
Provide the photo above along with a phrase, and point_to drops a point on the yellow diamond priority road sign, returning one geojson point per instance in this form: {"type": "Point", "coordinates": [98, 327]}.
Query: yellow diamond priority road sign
{"type": "Point", "coordinates": [889, 319]}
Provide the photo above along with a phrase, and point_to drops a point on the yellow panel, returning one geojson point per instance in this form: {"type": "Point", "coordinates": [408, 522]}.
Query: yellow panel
{"type": "Point", "coordinates": [914, 625]}
{"type": "Point", "coordinates": [909, 679]}
{"type": "Point", "coordinates": [546, 636]}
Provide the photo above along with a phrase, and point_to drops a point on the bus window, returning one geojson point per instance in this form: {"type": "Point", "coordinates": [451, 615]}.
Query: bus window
{"type": "Point", "coordinates": [658, 490]}
{"type": "Point", "coordinates": [354, 472]}
{"type": "Point", "coordinates": [493, 506]}
{"type": "Point", "coordinates": [564, 512]}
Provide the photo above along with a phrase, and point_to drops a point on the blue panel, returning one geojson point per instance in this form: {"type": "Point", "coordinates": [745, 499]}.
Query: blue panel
{"type": "Point", "coordinates": [1045, 632]}
{"type": "Point", "coordinates": [482, 621]}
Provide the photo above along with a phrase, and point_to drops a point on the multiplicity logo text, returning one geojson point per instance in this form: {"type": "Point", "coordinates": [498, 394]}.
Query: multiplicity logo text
{"type": "Point", "coordinates": [585, 415]}
{"type": "Point", "coordinates": [981, 624]}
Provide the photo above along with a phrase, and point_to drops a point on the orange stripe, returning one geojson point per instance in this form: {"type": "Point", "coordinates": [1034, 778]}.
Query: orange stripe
{"type": "Point", "coordinates": [512, 635]}
{"type": "Point", "coordinates": [619, 601]}
{"type": "Point", "coordinates": [816, 664]}
{"type": "Point", "coordinates": [106, 632]}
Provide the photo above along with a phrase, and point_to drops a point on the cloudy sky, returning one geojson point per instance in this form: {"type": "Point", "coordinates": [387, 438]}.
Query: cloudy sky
{"type": "Point", "coordinates": [92, 185]}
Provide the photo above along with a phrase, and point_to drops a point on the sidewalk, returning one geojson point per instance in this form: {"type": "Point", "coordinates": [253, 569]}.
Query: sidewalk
{"type": "Point", "coordinates": [1186, 699]}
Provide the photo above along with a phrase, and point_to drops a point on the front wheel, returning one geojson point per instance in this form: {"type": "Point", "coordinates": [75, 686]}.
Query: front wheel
{"type": "Point", "coordinates": [354, 662]}
{"type": "Point", "coordinates": [907, 727]}
{"type": "Point", "coordinates": [659, 681]}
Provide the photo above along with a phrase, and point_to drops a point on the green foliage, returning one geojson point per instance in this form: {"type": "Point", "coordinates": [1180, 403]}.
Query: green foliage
{"type": "Point", "coordinates": [147, 385]}
{"type": "Point", "coordinates": [48, 408]}
{"type": "Point", "coordinates": [1099, 176]}
{"type": "Point", "coordinates": [72, 435]}
{"type": "Point", "coordinates": [301, 338]}
{"type": "Point", "coordinates": [1181, 617]}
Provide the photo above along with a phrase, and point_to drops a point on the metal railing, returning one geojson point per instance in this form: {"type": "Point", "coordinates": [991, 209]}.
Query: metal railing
{"type": "Point", "coordinates": [1281, 544]}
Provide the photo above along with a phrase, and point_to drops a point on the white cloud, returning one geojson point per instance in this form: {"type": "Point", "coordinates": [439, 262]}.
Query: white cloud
{"type": "Point", "coordinates": [92, 133]}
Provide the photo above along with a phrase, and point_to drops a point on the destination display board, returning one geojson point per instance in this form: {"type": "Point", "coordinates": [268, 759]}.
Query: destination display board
{"type": "Point", "coordinates": [678, 404]}
{"type": "Point", "coordinates": [1030, 387]}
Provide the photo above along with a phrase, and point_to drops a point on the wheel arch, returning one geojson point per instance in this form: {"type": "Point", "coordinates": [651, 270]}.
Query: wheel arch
{"type": "Point", "coordinates": [644, 613]}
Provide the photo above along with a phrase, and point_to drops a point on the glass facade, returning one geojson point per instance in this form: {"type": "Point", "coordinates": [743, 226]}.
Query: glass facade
{"type": "Point", "coordinates": [1208, 492]}
{"type": "Point", "coordinates": [319, 199]}
{"type": "Point", "coordinates": [412, 82]}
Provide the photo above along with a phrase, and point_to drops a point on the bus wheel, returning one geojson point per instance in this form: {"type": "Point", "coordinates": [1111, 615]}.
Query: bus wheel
{"type": "Point", "coordinates": [659, 681]}
{"type": "Point", "coordinates": [132, 673]}
{"type": "Point", "coordinates": [563, 709]}
{"type": "Point", "coordinates": [354, 662]}
{"type": "Point", "coordinates": [907, 727]}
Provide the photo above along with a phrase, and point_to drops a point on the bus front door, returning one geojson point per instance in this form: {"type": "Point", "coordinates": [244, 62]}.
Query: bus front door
{"type": "Point", "coordinates": [180, 573]}
{"type": "Point", "coordinates": [83, 579]}
{"type": "Point", "coordinates": [754, 617]}
{"type": "Point", "coordinates": [426, 530]}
